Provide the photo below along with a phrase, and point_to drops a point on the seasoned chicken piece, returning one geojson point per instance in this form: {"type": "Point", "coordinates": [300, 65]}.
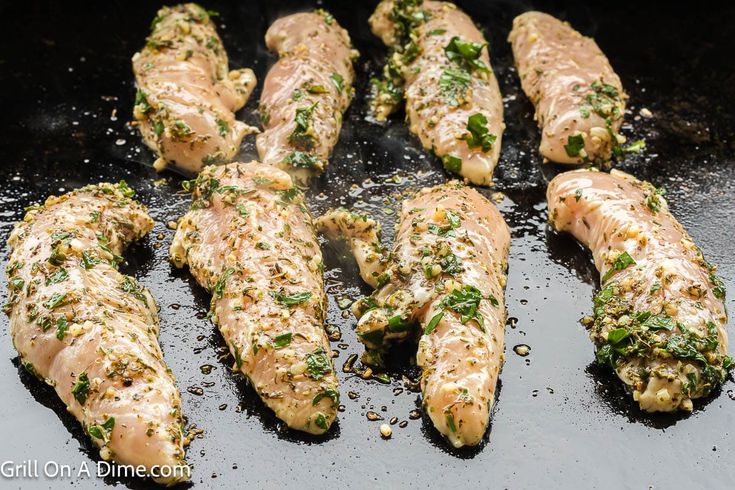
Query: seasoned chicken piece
{"type": "Point", "coordinates": [448, 274]}
{"type": "Point", "coordinates": [362, 234]}
{"type": "Point", "coordinates": [250, 241]}
{"type": "Point", "coordinates": [660, 317]}
{"type": "Point", "coordinates": [186, 96]}
{"type": "Point", "coordinates": [91, 332]}
{"type": "Point", "coordinates": [440, 64]}
{"type": "Point", "coordinates": [306, 92]}
{"type": "Point", "coordinates": [579, 99]}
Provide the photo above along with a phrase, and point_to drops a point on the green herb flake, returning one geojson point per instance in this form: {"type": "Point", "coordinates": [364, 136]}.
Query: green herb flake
{"type": "Point", "coordinates": [80, 390]}
{"type": "Point", "coordinates": [61, 327]}
{"type": "Point", "coordinates": [219, 288]}
{"type": "Point", "coordinates": [238, 357]}
{"type": "Point", "coordinates": [718, 291]}
{"type": "Point", "coordinates": [328, 393]}
{"type": "Point", "coordinates": [338, 81]}
{"type": "Point", "coordinates": [223, 127]}
{"type": "Point", "coordinates": [290, 299]}
{"type": "Point", "coordinates": [623, 261]}
{"type": "Point", "coordinates": [317, 89]}
{"type": "Point", "coordinates": [282, 340]}
{"type": "Point", "coordinates": [658, 322]}
{"type": "Point", "coordinates": [479, 136]}
{"type": "Point", "coordinates": [132, 286]}
{"type": "Point", "coordinates": [102, 431]}
{"type": "Point", "coordinates": [317, 364]}
{"type": "Point", "coordinates": [450, 422]}
{"type": "Point", "coordinates": [453, 85]}
{"type": "Point", "coordinates": [60, 275]}
{"type": "Point", "coordinates": [431, 326]}
{"type": "Point", "coordinates": [452, 164]}
{"type": "Point", "coordinates": [466, 302]}
{"type": "Point", "coordinates": [88, 261]}
{"type": "Point", "coordinates": [466, 54]}
{"type": "Point", "coordinates": [302, 159]}
{"type": "Point", "coordinates": [16, 283]}
{"type": "Point", "coordinates": [56, 300]}
{"type": "Point", "coordinates": [398, 323]}
{"type": "Point", "coordinates": [575, 144]}
{"type": "Point", "coordinates": [301, 136]}
{"type": "Point", "coordinates": [126, 191]}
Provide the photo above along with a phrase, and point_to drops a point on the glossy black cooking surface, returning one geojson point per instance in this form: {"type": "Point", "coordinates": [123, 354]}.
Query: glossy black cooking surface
{"type": "Point", "coordinates": [66, 94]}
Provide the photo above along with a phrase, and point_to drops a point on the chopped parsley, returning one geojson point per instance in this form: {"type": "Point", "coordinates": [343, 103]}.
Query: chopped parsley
{"type": "Point", "coordinates": [317, 364]}
{"type": "Point", "coordinates": [290, 299]}
{"type": "Point", "coordinates": [466, 54]}
{"type": "Point", "coordinates": [454, 222]}
{"type": "Point", "coordinates": [328, 393]}
{"type": "Point", "coordinates": [125, 189]}
{"type": "Point", "coordinates": [60, 275]}
{"type": "Point", "coordinates": [639, 336]}
{"type": "Point", "coordinates": [301, 136]}
{"type": "Point", "coordinates": [81, 388]}
{"type": "Point", "coordinates": [219, 288]}
{"type": "Point", "coordinates": [466, 302]}
{"type": "Point", "coordinates": [131, 286]}
{"type": "Point", "coordinates": [282, 340]}
{"type": "Point", "coordinates": [451, 264]}
{"type": "Point", "coordinates": [338, 81]}
{"type": "Point", "coordinates": [328, 18]}
{"type": "Point", "coordinates": [88, 261]}
{"type": "Point", "coordinates": [302, 159]}
{"type": "Point", "coordinates": [450, 422]}
{"type": "Point", "coordinates": [719, 286]}
{"type": "Point", "coordinates": [56, 300]}
{"type": "Point", "coordinates": [179, 129]}
{"type": "Point", "coordinates": [453, 84]}
{"type": "Point", "coordinates": [431, 326]}
{"type": "Point", "coordinates": [102, 431]}
{"type": "Point", "coordinates": [61, 327]}
{"type": "Point", "coordinates": [623, 261]}
{"type": "Point", "coordinates": [479, 136]}
{"type": "Point", "coordinates": [321, 421]}
{"type": "Point", "coordinates": [452, 163]}
{"type": "Point", "coordinates": [317, 89]}
{"type": "Point", "coordinates": [242, 210]}
{"type": "Point", "coordinates": [575, 144]}
{"type": "Point", "coordinates": [653, 199]}
{"type": "Point", "coordinates": [223, 127]}
{"type": "Point", "coordinates": [17, 283]}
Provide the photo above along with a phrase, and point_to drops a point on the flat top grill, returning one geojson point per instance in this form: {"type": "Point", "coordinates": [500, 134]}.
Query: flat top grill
{"type": "Point", "coordinates": [66, 92]}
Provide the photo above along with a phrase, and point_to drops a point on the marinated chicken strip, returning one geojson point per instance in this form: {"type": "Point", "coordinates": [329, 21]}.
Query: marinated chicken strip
{"type": "Point", "coordinates": [447, 274]}
{"type": "Point", "coordinates": [362, 235]}
{"type": "Point", "coordinates": [250, 241]}
{"type": "Point", "coordinates": [579, 99]}
{"type": "Point", "coordinates": [660, 317]}
{"type": "Point", "coordinates": [186, 94]}
{"type": "Point", "coordinates": [90, 332]}
{"type": "Point", "coordinates": [440, 64]}
{"type": "Point", "coordinates": [306, 92]}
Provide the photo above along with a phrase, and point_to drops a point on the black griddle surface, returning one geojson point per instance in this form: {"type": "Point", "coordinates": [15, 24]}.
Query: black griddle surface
{"type": "Point", "coordinates": [66, 94]}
